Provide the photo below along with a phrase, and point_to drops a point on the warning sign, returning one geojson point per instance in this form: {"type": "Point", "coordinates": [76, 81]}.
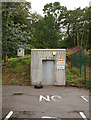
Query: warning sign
{"type": "Point", "coordinates": [60, 59]}
{"type": "Point", "coordinates": [61, 65]}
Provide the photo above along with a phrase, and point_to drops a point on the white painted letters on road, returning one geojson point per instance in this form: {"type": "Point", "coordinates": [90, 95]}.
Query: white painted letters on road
{"type": "Point", "coordinates": [42, 97]}
{"type": "Point", "coordinates": [56, 98]}
{"type": "Point", "coordinates": [52, 98]}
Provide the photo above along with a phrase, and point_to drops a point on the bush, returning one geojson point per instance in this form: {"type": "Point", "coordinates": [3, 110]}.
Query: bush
{"type": "Point", "coordinates": [69, 76]}
{"type": "Point", "coordinates": [75, 71]}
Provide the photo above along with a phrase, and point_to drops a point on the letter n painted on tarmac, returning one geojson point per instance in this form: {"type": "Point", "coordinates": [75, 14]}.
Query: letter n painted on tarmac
{"type": "Point", "coordinates": [42, 97]}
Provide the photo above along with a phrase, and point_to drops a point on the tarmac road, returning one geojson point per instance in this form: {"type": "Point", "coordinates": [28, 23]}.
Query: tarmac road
{"type": "Point", "coordinates": [51, 101]}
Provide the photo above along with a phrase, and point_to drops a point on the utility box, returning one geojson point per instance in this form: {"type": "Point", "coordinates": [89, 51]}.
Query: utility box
{"type": "Point", "coordinates": [21, 51]}
{"type": "Point", "coordinates": [48, 66]}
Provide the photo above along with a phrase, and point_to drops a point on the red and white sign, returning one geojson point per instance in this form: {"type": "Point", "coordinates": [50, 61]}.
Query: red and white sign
{"type": "Point", "coordinates": [61, 65]}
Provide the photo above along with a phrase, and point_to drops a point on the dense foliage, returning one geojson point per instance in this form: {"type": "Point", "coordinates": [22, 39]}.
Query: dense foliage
{"type": "Point", "coordinates": [59, 28]}
{"type": "Point", "coordinates": [15, 27]}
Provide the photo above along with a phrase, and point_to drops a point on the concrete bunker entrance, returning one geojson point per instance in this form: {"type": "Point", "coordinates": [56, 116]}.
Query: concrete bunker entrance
{"type": "Point", "coordinates": [48, 68]}
{"type": "Point", "coordinates": [48, 72]}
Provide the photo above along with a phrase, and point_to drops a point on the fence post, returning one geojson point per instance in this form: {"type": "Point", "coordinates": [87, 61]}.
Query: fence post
{"type": "Point", "coordinates": [80, 61]}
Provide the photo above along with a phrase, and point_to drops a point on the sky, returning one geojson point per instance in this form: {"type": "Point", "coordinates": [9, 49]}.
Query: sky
{"type": "Point", "coordinates": [38, 5]}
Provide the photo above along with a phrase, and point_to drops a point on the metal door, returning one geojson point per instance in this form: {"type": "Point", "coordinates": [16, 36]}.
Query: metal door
{"type": "Point", "coordinates": [48, 72]}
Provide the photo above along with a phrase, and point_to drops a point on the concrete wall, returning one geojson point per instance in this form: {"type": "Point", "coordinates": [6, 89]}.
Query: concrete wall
{"type": "Point", "coordinates": [37, 56]}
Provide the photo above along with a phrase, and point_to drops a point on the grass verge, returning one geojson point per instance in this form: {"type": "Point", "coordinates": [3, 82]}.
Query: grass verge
{"type": "Point", "coordinates": [17, 71]}
{"type": "Point", "coordinates": [73, 77]}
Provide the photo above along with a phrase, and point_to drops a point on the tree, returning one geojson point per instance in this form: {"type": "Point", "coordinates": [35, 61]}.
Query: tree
{"type": "Point", "coordinates": [76, 22]}
{"type": "Point", "coordinates": [54, 13]}
{"type": "Point", "coordinates": [15, 26]}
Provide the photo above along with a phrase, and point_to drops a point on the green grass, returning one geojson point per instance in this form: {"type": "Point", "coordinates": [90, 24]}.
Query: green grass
{"type": "Point", "coordinates": [17, 71]}
{"type": "Point", "coordinates": [75, 71]}
{"type": "Point", "coordinates": [69, 76]}
{"type": "Point", "coordinates": [73, 77]}
{"type": "Point", "coordinates": [9, 59]}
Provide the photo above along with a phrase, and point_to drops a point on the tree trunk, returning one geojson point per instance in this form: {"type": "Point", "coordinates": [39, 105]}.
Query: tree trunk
{"type": "Point", "coordinates": [77, 38]}
{"type": "Point", "coordinates": [73, 34]}
{"type": "Point", "coordinates": [82, 40]}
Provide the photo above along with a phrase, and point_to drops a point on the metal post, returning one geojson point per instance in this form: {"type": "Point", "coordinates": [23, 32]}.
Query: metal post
{"type": "Point", "coordinates": [80, 61]}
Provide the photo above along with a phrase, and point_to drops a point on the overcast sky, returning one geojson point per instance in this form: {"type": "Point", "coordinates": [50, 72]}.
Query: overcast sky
{"type": "Point", "coordinates": [38, 5]}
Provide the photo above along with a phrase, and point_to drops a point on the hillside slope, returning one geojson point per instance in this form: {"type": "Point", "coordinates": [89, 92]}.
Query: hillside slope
{"type": "Point", "coordinates": [17, 71]}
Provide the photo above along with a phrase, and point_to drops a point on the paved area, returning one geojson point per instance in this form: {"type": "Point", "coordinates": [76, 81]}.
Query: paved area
{"type": "Point", "coordinates": [51, 101]}
{"type": "Point", "coordinates": [0, 102]}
